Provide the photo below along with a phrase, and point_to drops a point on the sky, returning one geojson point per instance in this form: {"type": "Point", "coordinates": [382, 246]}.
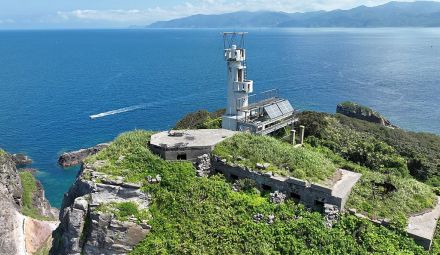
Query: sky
{"type": "Point", "coordinates": [35, 14]}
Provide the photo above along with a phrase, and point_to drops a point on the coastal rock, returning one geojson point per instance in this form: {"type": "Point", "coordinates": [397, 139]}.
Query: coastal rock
{"type": "Point", "coordinates": [21, 159]}
{"type": "Point", "coordinates": [73, 158]}
{"type": "Point", "coordinates": [357, 111]}
{"type": "Point", "coordinates": [111, 236]}
{"type": "Point", "coordinates": [21, 234]}
{"type": "Point", "coordinates": [40, 203]}
{"type": "Point", "coordinates": [10, 184]}
{"type": "Point", "coordinates": [85, 229]}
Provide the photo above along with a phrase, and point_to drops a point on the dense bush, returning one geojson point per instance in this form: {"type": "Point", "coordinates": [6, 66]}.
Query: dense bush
{"type": "Point", "coordinates": [201, 120]}
{"type": "Point", "coordinates": [355, 146]}
{"type": "Point", "coordinates": [421, 150]}
{"type": "Point", "coordinates": [376, 194]}
{"type": "Point", "coordinates": [193, 215]}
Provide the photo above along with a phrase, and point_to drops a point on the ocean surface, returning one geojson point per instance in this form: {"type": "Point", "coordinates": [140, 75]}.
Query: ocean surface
{"type": "Point", "coordinates": [52, 81]}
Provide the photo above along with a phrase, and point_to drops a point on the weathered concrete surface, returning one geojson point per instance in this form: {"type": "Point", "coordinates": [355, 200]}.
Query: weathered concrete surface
{"type": "Point", "coordinates": [422, 227]}
{"type": "Point", "coordinates": [86, 230]}
{"type": "Point", "coordinates": [342, 188]}
{"type": "Point", "coordinates": [76, 157]}
{"type": "Point", "coordinates": [187, 144]}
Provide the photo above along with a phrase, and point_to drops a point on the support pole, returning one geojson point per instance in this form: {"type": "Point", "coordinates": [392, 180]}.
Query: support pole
{"type": "Point", "coordinates": [292, 136]}
{"type": "Point", "coordinates": [301, 130]}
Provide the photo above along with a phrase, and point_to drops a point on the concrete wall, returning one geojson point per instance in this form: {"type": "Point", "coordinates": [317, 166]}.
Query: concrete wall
{"type": "Point", "coordinates": [311, 195]}
{"type": "Point", "coordinates": [173, 153]}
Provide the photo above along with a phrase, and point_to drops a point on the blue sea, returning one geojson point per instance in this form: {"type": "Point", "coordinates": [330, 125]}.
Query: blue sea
{"type": "Point", "coordinates": [52, 81]}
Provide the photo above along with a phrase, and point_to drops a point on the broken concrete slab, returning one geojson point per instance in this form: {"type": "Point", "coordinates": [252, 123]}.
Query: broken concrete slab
{"type": "Point", "coordinates": [422, 227]}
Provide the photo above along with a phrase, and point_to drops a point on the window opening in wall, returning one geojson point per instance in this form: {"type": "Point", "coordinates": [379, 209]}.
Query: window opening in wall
{"type": "Point", "coordinates": [181, 156]}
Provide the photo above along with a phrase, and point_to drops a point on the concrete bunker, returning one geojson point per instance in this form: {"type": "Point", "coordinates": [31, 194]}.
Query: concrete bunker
{"type": "Point", "coordinates": [187, 144]}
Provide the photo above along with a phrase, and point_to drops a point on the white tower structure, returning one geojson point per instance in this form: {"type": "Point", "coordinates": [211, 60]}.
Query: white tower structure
{"type": "Point", "coordinates": [238, 87]}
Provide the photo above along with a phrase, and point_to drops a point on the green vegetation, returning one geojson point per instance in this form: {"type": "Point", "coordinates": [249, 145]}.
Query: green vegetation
{"type": "Point", "coordinates": [125, 210]}
{"type": "Point", "coordinates": [386, 182]}
{"type": "Point", "coordinates": [45, 248]}
{"type": "Point", "coordinates": [2, 152]}
{"type": "Point", "coordinates": [358, 147]}
{"type": "Point", "coordinates": [377, 196]}
{"type": "Point", "coordinates": [248, 150]}
{"type": "Point", "coordinates": [193, 215]}
{"type": "Point", "coordinates": [201, 120]}
{"type": "Point", "coordinates": [375, 146]}
{"type": "Point", "coordinates": [29, 184]}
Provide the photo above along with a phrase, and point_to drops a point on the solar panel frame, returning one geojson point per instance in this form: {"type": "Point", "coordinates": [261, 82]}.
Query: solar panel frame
{"type": "Point", "coordinates": [285, 107]}
{"type": "Point", "coordinates": [273, 111]}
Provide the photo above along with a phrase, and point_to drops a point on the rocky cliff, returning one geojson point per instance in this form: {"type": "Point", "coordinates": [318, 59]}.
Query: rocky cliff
{"type": "Point", "coordinates": [93, 215]}
{"type": "Point", "coordinates": [21, 234]}
{"type": "Point", "coordinates": [357, 111]}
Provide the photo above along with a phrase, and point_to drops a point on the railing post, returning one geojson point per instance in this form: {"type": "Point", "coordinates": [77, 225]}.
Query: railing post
{"type": "Point", "coordinates": [292, 136]}
{"type": "Point", "coordinates": [301, 130]}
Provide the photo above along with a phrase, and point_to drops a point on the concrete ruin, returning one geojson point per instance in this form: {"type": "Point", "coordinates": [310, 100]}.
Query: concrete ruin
{"type": "Point", "coordinates": [313, 195]}
{"type": "Point", "coordinates": [187, 144]}
{"type": "Point", "coordinates": [422, 227]}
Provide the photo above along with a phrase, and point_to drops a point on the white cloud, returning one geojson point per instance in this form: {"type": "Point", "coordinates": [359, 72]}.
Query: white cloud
{"type": "Point", "coordinates": [6, 21]}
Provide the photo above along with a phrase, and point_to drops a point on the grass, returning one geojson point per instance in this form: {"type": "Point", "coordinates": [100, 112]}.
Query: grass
{"type": "Point", "coordinates": [124, 210]}
{"type": "Point", "coordinates": [29, 184]}
{"type": "Point", "coordinates": [373, 200]}
{"type": "Point", "coordinates": [191, 215]}
{"type": "Point", "coordinates": [248, 150]}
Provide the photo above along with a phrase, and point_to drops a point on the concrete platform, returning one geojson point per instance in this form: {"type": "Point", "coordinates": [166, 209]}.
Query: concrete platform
{"type": "Point", "coordinates": [187, 144]}
{"type": "Point", "coordinates": [422, 227]}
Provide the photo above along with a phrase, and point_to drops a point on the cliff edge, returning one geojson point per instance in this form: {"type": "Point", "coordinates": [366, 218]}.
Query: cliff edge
{"type": "Point", "coordinates": [26, 217]}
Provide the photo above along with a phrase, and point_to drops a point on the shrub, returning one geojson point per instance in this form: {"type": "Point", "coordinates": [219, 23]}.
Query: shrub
{"type": "Point", "coordinates": [353, 145]}
{"type": "Point", "coordinates": [201, 120]}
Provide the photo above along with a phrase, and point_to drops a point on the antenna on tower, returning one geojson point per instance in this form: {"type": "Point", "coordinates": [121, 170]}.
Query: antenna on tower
{"type": "Point", "coordinates": [234, 38]}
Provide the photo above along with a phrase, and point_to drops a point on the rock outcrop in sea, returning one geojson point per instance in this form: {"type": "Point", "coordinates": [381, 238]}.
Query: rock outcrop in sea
{"type": "Point", "coordinates": [87, 228]}
{"type": "Point", "coordinates": [21, 159]}
{"type": "Point", "coordinates": [73, 158]}
{"type": "Point", "coordinates": [21, 234]}
{"type": "Point", "coordinates": [358, 111]}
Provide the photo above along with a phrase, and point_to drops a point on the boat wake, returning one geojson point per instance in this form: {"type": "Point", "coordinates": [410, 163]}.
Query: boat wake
{"type": "Point", "coordinates": [117, 111]}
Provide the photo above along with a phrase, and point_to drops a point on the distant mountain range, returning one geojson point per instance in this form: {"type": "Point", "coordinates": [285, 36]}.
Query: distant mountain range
{"type": "Point", "coordinates": [392, 14]}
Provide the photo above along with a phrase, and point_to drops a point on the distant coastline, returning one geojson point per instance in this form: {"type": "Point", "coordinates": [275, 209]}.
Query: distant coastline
{"type": "Point", "coordinates": [392, 14]}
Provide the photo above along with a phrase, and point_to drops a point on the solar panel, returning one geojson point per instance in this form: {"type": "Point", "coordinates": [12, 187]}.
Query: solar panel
{"type": "Point", "coordinates": [273, 111]}
{"type": "Point", "coordinates": [285, 107]}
